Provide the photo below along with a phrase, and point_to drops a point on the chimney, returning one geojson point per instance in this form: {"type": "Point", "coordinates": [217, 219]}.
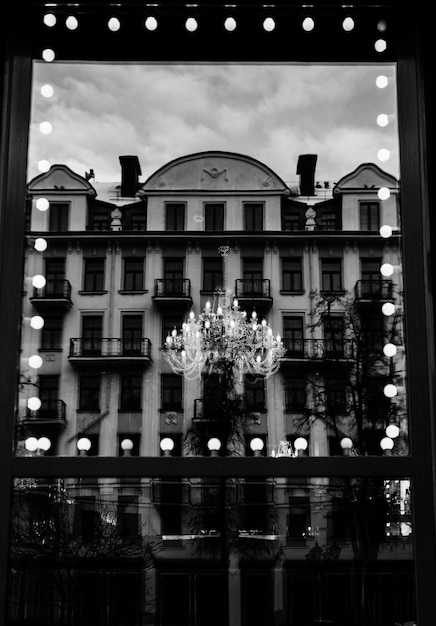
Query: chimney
{"type": "Point", "coordinates": [130, 173]}
{"type": "Point", "coordinates": [306, 169]}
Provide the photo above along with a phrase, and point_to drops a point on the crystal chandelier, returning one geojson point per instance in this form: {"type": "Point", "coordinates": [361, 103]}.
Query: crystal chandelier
{"type": "Point", "coordinates": [223, 338]}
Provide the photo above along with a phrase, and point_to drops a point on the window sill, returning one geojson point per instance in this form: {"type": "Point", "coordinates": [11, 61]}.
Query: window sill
{"type": "Point", "coordinates": [88, 411]}
{"type": "Point", "coordinates": [45, 349]}
{"type": "Point", "coordinates": [132, 292]}
{"type": "Point", "coordinates": [171, 410]}
{"type": "Point", "coordinates": [292, 293]}
{"type": "Point", "coordinates": [91, 293]}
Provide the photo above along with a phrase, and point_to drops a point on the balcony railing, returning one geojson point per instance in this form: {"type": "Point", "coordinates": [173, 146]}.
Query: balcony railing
{"type": "Point", "coordinates": [373, 290]}
{"type": "Point", "coordinates": [57, 292]}
{"type": "Point", "coordinates": [253, 288]}
{"type": "Point", "coordinates": [110, 348]}
{"type": "Point", "coordinates": [318, 349]}
{"type": "Point", "coordinates": [172, 288]}
{"type": "Point", "coordinates": [53, 411]}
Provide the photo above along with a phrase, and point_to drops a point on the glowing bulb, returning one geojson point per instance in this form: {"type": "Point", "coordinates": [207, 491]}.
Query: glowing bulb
{"type": "Point", "coordinates": [380, 45]}
{"type": "Point", "coordinates": [31, 444]}
{"type": "Point", "coordinates": [49, 20]}
{"type": "Point", "coordinates": [44, 444]}
{"type": "Point", "coordinates": [392, 431]}
{"type": "Point", "coordinates": [230, 24]}
{"type": "Point", "coordinates": [167, 445]}
{"type": "Point", "coordinates": [385, 231]}
{"type": "Point", "coordinates": [35, 361]}
{"type": "Point", "coordinates": [84, 444]}
{"type": "Point", "coordinates": [40, 244]}
{"type": "Point", "coordinates": [346, 443]}
{"type": "Point", "coordinates": [381, 81]}
{"type": "Point", "coordinates": [387, 269]}
{"type": "Point", "coordinates": [191, 24]}
{"type": "Point", "coordinates": [71, 22]}
{"type": "Point", "coordinates": [45, 128]}
{"type": "Point", "coordinates": [42, 204]}
{"type": "Point", "coordinates": [300, 444]}
{"type": "Point", "coordinates": [47, 91]}
{"type": "Point", "coordinates": [269, 24]}
{"type": "Point", "coordinates": [388, 309]}
{"type": "Point", "coordinates": [381, 26]}
{"type": "Point", "coordinates": [48, 55]}
{"type": "Point", "coordinates": [384, 193]}
{"type": "Point", "coordinates": [34, 403]}
{"type": "Point", "coordinates": [308, 24]}
{"type": "Point", "coordinates": [390, 390]}
{"type": "Point", "coordinates": [382, 120]}
{"type": "Point", "coordinates": [257, 444]}
{"type": "Point", "coordinates": [383, 154]}
{"type": "Point", "coordinates": [43, 165]}
{"type": "Point", "coordinates": [386, 444]}
{"type": "Point", "coordinates": [348, 24]}
{"type": "Point", "coordinates": [127, 445]}
{"type": "Point", "coordinates": [36, 322]}
{"type": "Point", "coordinates": [114, 24]}
{"type": "Point", "coordinates": [150, 23]}
{"type": "Point", "coordinates": [214, 444]}
{"type": "Point", "coordinates": [38, 281]}
{"type": "Point", "coordinates": [390, 349]}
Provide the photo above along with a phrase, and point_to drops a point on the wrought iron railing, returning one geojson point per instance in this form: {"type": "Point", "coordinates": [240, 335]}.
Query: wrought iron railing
{"type": "Point", "coordinates": [253, 288]}
{"type": "Point", "coordinates": [110, 347]}
{"type": "Point", "coordinates": [172, 288]}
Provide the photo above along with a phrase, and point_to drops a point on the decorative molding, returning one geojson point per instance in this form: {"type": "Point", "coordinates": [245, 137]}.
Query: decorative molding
{"type": "Point", "coordinates": [214, 172]}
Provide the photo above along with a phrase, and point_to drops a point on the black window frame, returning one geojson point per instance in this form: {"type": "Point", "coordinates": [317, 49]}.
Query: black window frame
{"type": "Point", "coordinates": [369, 215]}
{"type": "Point", "coordinates": [59, 216]}
{"type": "Point", "coordinates": [213, 274]}
{"type": "Point", "coordinates": [175, 216]}
{"type": "Point", "coordinates": [89, 392]}
{"type": "Point", "coordinates": [292, 274]}
{"type": "Point", "coordinates": [331, 275]}
{"type": "Point", "coordinates": [133, 273]}
{"type": "Point", "coordinates": [131, 385]}
{"type": "Point", "coordinates": [214, 216]}
{"type": "Point", "coordinates": [171, 392]}
{"type": "Point", "coordinates": [254, 219]}
{"type": "Point", "coordinates": [94, 274]}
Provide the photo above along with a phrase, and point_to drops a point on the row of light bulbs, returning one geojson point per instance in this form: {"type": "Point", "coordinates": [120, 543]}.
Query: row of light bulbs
{"type": "Point", "coordinates": [230, 24]}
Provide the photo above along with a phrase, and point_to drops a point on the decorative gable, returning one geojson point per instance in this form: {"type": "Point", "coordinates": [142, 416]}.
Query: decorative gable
{"type": "Point", "coordinates": [61, 178]}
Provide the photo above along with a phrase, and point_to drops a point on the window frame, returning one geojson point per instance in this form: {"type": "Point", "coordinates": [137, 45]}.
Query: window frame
{"type": "Point", "coordinates": [414, 102]}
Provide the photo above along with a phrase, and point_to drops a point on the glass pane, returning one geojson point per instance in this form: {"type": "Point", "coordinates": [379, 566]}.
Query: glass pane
{"type": "Point", "coordinates": [211, 551]}
{"type": "Point", "coordinates": [328, 283]}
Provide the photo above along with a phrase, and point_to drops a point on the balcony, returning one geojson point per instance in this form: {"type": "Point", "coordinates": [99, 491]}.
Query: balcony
{"type": "Point", "coordinates": [318, 350]}
{"type": "Point", "coordinates": [51, 413]}
{"type": "Point", "coordinates": [254, 294]}
{"type": "Point", "coordinates": [55, 296]}
{"type": "Point", "coordinates": [110, 350]}
{"type": "Point", "coordinates": [373, 291]}
{"type": "Point", "coordinates": [171, 292]}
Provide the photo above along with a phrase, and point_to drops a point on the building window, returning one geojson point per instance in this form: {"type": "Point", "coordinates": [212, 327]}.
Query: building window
{"type": "Point", "coordinates": [93, 275]}
{"type": "Point", "coordinates": [255, 398]}
{"type": "Point", "coordinates": [172, 392]}
{"type": "Point", "coordinates": [48, 389]}
{"type": "Point", "coordinates": [174, 216]}
{"type": "Point", "coordinates": [295, 393]}
{"type": "Point", "coordinates": [212, 274]}
{"type": "Point", "coordinates": [99, 218]}
{"type": "Point", "coordinates": [51, 334]}
{"type": "Point", "coordinates": [333, 335]}
{"type": "Point", "coordinates": [132, 334]}
{"type": "Point", "coordinates": [373, 334]}
{"type": "Point", "coordinates": [331, 275]}
{"type": "Point", "coordinates": [169, 323]}
{"type": "Point", "coordinates": [292, 274]}
{"type": "Point", "coordinates": [293, 335]}
{"type": "Point", "coordinates": [130, 392]}
{"type": "Point", "coordinates": [327, 220]}
{"type": "Point", "coordinates": [253, 216]}
{"type": "Point", "coordinates": [54, 269]}
{"type": "Point", "coordinates": [335, 396]}
{"type": "Point", "coordinates": [171, 506]}
{"type": "Point", "coordinates": [370, 270]}
{"type": "Point", "coordinates": [58, 216]}
{"type": "Point", "coordinates": [173, 276]}
{"type": "Point", "coordinates": [133, 279]}
{"type": "Point", "coordinates": [253, 276]}
{"type": "Point", "coordinates": [135, 218]}
{"type": "Point", "coordinates": [369, 215]}
{"type": "Point", "coordinates": [292, 218]}
{"type": "Point", "coordinates": [213, 216]}
{"type": "Point", "coordinates": [92, 330]}
{"type": "Point", "coordinates": [89, 392]}
{"type": "Point", "coordinates": [128, 517]}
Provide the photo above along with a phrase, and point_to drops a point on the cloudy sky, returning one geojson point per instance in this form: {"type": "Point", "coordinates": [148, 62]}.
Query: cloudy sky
{"type": "Point", "coordinates": [161, 112]}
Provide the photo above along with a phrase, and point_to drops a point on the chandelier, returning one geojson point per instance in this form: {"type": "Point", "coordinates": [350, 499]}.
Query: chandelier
{"type": "Point", "coordinates": [223, 338]}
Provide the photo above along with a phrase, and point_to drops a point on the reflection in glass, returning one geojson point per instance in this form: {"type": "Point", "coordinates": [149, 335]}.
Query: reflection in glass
{"type": "Point", "coordinates": [211, 551]}
{"type": "Point", "coordinates": [116, 261]}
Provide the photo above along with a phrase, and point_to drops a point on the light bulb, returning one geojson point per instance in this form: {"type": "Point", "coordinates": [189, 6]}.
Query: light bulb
{"type": "Point", "coordinates": [126, 446]}
{"type": "Point", "coordinates": [230, 24]}
{"type": "Point", "coordinates": [392, 431]}
{"type": "Point", "coordinates": [383, 154]}
{"type": "Point", "coordinates": [380, 45]}
{"type": "Point", "coordinates": [308, 24]}
{"type": "Point", "coordinates": [42, 204]}
{"type": "Point", "coordinates": [114, 24]}
{"type": "Point", "coordinates": [38, 281]}
{"type": "Point", "coordinates": [384, 193]}
{"type": "Point", "coordinates": [300, 444]}
{"type": "Point", "coordinates": [387, 269]}
{"type": "Point", "coordinates": [44, 444]}
{"type": "Point", "coordinates": [84, 444]}
{"type": "Point", "coordinates": [167, 445]}
{"type": "Point", "coordinates": [34, 403]}
{"type": "Point", "coordinates": [388, 309]}
{"type": "Point", "coordinates": [390, 349]}
{"type": "Point", "coordinates": [381, 81]}
{"type": "Point", "coordinates": [150, 23]}
{"type": "Point", "coordinates": [348, 24]}
{"type": "Point", "coordinates": [257, 444]}
{"type": "Point", "coordinates": [386, 444]}
{"type": "Point", "coordinates": [382, 119]}
{"type": "Point", "coordinates": [31, 444]}
{"type": "Point", "coordinates": [48, 55]}
{"type": "Point", "coordinates": [47, 91]}
{"type": "Point", "coordinates": [45, 128]}
{"type": "Point", "coordinates": [214, 444]}
{"type": "Point", "coordinates": [49, 20]}
{"type": "Point", "coordinates": [40, 244]}
{"type": "Point", "coordinates": [43, 165]}
{"type": "Point", "coordinates": [37, 322]}
{"type": "Point", "coordinates": [191, 24]}
{"type": "Point", "coordinates": [71, 22]}
{"type": "Point", "coordinates": [346, 443]}
{"type": "Point", "coordinates": [385, 231]}
{"type": "Point", "coordinates": [390, 390]}
{"type": "Point", "coordinates": [35, 361]}
{"type": "Point", "coordinates": [269, 24]}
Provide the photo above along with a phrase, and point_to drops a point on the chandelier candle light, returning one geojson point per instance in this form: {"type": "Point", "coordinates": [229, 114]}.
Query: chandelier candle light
{"type": "Point", "coordinates": [224, 337]}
